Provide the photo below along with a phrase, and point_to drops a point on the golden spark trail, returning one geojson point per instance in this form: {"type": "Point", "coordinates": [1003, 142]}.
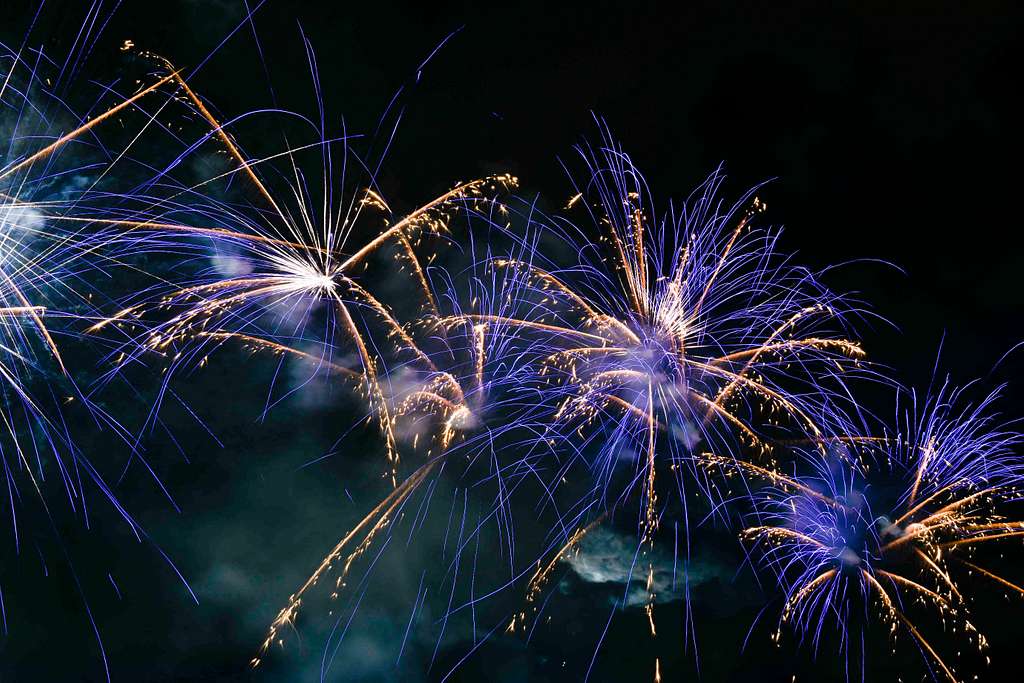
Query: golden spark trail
{"type": "Point", "coordinates": [378, 518]}
{"type": "Point", "coordinates": [49, 149]}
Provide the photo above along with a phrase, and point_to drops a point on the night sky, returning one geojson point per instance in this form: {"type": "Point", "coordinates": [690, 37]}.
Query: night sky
{"type": "Point", "coordinates": [892, 141]}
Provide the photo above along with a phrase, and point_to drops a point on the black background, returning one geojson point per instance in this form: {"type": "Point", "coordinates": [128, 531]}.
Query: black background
{"type": "Point", "coordinates": [892, 135]}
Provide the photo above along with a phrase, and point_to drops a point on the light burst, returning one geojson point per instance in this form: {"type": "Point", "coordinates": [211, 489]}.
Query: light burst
{"type": "Point", "coordinates": [465, 400]}
{"type": "Point", "coordinates": [44, 280]}
{"type": "Point", "coordinates": [666, 337]}
{"type": "Point", "coordinates": [293, 257]}
{"type": "Point", "coordinates": [897, 531]}
{"type": "Point", "coordinates": [618, 350]}
{"type": "Point", "coordinates": [682, 331]}
{"type": "Point", "coordinates": [51, 156]}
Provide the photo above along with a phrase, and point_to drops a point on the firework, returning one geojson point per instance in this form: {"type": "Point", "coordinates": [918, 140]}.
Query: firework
{"type": "Point", "coordinates": [897, 530]}
{"type": "Point", "coordinates": [582, 362]}
{"type": "Point", "coordinates": [290, 274]}
{"type": "Point", "coordinates": [682, 331]}
{"type": "Point", "coordinates": [280, 264]}
{"type": "Point", "coordinates": [51, 158]}
{"type": "Point", "coordinates": [667, 337]}
{"type": "Point", "coordinates": [466, 401]}
{"type": "Point", "coordinates": [43, 275]}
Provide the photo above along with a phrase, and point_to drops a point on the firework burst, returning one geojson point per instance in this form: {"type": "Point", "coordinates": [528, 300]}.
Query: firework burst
{"type": "Point", "coordinates": [287, 270]}
{"type": "Point", "coordinates": [44, 276]}
{"type": "Point", "coordinates": [51, 157]}
{"type": "Point", "coordinates": [633, 364]}
{"type": "Point", "coordinates": [681, 331]}
{"type": "Point", "coordinates": [291, 272]}
{"type": "Point", "coordinates": [466, 401]}
{"type": "Point", "coordinates": [667, 337]}
{"type": "Point", "coordinates": [897, 531]}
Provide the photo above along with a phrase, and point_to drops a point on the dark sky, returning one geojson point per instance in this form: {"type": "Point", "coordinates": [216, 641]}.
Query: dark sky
{"type": "Point", "coordinates": [891, 136]}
